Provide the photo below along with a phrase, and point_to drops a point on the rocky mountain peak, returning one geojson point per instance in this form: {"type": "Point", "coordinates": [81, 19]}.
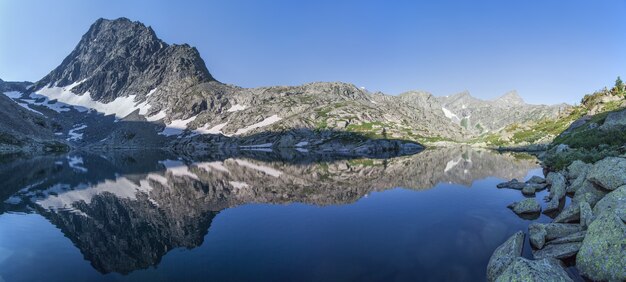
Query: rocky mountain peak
{"type": "Point", "coordinates": [510, 98]}
{"type": "Point", "coordinates": [118, 58]}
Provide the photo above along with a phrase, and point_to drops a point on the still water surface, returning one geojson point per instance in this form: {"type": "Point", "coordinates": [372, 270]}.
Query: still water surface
{"type": "Point", "coordinates": [153, 216]}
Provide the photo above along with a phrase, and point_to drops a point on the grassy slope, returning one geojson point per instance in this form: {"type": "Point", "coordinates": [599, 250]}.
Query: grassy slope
{"type": "Point", "coordinates": [551, 129]}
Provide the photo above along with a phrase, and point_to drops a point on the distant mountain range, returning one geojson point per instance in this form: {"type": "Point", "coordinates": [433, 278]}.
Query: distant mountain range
{"type": "Point", "coordinates": [123, 87]}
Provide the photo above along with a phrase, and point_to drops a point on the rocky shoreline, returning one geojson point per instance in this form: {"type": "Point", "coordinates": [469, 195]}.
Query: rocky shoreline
{"type": "Point", "coordinates": [589, 232]}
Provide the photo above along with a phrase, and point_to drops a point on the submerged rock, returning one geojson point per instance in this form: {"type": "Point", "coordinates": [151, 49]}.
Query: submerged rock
{"type": "Point", "coordinates": [504, 255]}
{"type": "Point", "coordinates": [526, 206]}
{"type": "Point", "coordinates": [513, 184]}
{"type": "Point", "coordinates": [536, 180]}
{"type": "Point", "coordinates": [559, 251]}
{"type": "Point", "coordinates": [602, 255]}
{"type": "Point", "coordinates": [522, 269]}
{"type": "Point", "coordinates": [609, 173]}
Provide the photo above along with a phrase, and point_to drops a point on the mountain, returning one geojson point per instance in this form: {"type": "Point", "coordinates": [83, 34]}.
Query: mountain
{"type": "Point", "coordinates": [481, 116]}
{"type": "Point", "coordinates": [123, 87]}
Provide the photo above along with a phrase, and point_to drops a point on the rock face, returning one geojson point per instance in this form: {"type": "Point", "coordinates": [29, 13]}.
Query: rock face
{"type": "Point", "coordinates": [505, 255]}
{"type": "Point", "coordinates": [546, 269]}
{"type": "Point", "coordinates": [480, 116]}
{"type": "Point", "coordinates": [614, 119]}
{"type": "Point", "coordinates": [558, 251]}
{"type": "Point", "coordinates": [613, 202]}
{"type": "Point", "coordinates": [609, 173]}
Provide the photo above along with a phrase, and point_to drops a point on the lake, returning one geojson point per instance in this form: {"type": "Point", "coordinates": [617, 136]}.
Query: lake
{"type": "Point", "coordinates": [257, 216]}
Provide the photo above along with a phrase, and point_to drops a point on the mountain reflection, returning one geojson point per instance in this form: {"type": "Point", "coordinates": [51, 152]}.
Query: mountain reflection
{"type": "Point", "coordinates": [126, 210]}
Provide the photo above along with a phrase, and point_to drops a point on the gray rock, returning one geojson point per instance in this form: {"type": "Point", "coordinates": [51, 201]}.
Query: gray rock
{"type": "Point", "coordinates": [614, 119]}
{"type": "Point", "coordinates": [522, 269]}
{"type": "Point", "coordinates": [577, 168]}
{"type": "Point", "coordinates": [577, 183]}
{"type": "Point", "coordinates": [528, 190]}
{"type": "Point", "coordinates": [558, 251]}
{"type": "Point", "coordinates": [574, 237]}
{"type": "Point", "coordinates": [537, 236]}
{"type": "Point", "coordinates": [536, 180]}
{"type": "Point", "coordinates": [504, 255]}
{"type": "Point", "coordinates": [558, 230]}
{"type": "Point", "coordinates": [553, 205]}
{"type": "Point", "coordinates": [608, 173]}
{"type": "Point", "coordinates": [562, 148]}
{"type": "Point", "coordinates": [588, 192]}
{"type": "Point", "coordinates": [586, 215]}
{"type": "Point", "coordinates": [614, 202]}
{"type": "Point", "coordinates": [602, 256]}
{"type": "Point", "coordinates": [525, 206]}
{"type": "Point", "coordinates": [570, 213]}
{"type": "Point", "coordinates": [557, 185]}
{"type": "Point", "coordinates": [513, 184]}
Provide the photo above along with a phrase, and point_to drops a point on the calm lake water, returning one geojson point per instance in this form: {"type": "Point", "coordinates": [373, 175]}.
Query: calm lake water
{"type": "Point", "coordinates": [257, 216]}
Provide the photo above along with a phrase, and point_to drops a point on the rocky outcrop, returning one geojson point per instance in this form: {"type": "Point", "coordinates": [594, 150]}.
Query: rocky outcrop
{"type": "Point", "coordinates": [505, 255]}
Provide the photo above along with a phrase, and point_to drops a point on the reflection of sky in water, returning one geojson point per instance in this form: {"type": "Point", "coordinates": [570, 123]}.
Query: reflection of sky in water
{"type": "Point", "coordinates": [363, 230]}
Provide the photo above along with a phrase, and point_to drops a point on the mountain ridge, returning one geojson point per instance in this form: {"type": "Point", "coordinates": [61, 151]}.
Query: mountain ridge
{"type": "Point", "coordinates": [164, 94]}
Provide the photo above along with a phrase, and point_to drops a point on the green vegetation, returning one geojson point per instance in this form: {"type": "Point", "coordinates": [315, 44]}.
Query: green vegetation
{"type": "Point", "coordinates": [562, 160]}
{"type": "Point", "coordinates": [464, 123]}
{"type": "Point", "coordinates": [9, 139]}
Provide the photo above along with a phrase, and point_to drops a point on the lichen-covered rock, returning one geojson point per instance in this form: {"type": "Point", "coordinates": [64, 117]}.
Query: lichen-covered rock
{"type": "Point", "coordinates": [577, 168]}
{"type": "Point", "coordinates": [525, 206]}
{"type": "Point", "coordinates": [553, 205]}
{"type": "Point", "coordinates": [586, 215]}
{"type": "Point", "coordinates": [522, 269]}
{"type": "Point", "coordinates": [570, 213]}
{"type": "Point", "coordinates": [537, 236]}
{"type": "Point", "coordinates": [609, 173]}
{"type": "Point", "coordinates": [557, 185]}
{"type": "Point", "coordinates": [528, 190]}
{"type": "Point", "coordinates": [513, 184]}
{"type": "Point", "coordinates": [613, 202]}
{"type": "Point", "coordinates": [574, 237]}
{"type": "Point", "coordinates": [504, 255]}
{"type": "Point", "coordinates": [602, 255]}
{"type": "Point", "coordinates": [558, 251]}
{"type": "Point", "coordinates": [576, 183]}
{"type": "Point", "coordinates": [558, 230]}
{"type": "Point", "coordinates": [536, 180]}
{"type": "Point", "coordinates": [614, 119]}
{"type": "Point", "coordinates": [589, 193]}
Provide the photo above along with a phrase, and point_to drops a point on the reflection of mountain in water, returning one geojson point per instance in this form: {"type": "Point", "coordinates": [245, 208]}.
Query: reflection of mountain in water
{"type": "Point", "coordinates": [125, 211]}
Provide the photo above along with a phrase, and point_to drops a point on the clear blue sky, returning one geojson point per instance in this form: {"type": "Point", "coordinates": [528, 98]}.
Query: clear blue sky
{"type": "Point", "coordinates": [550, 51]}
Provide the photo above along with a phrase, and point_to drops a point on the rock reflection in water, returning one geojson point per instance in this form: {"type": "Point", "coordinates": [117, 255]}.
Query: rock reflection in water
{"type": "Point", "coordinates": [125, 211]}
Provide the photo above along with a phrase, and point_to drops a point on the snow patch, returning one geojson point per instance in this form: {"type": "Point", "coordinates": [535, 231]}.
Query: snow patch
{"type": "Point", "coordinates": [266, 145]}
{"type": "Point", "coordinates": [213, 130]}
{"type": "Point", "coordinates": [239, 185]}
{"type": "Point", "coordinates": [176, 127]}
{"type": "Point", "coordinates": [178, 168]}
{"type": "Point", "coordinates": [267, 121]}
{"type": "Point", "coordinates": [77, 164]}
{"type": "Point", "coordinates": [451, 164]}
{"type": "Point", "coordinates": [120, 107]}
{"type": "Point", "coordinates": [74, 136]}
{"type": "Point", "coordinates": [449, 114]}
{"type": "Point", "coordinates": [13, 94]}
{"type": "Point", "coordinates": [302, 144]}
{"type": "Point", "coordinates": [236, 108]}
{"type": "Point", "coordinates": [267, 170]}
